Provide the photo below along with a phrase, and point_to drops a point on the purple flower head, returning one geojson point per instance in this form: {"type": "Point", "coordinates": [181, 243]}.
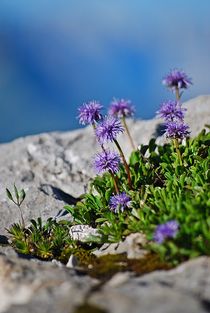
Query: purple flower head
{"type": "Point", "coordinates": [90, 112]}
{"type": "Point", "coordinates": [171, 110]}
{"type": "Point", "coordinates": [177, 130]}
{"type": "Point", "coordinates": [164, 231]}
{"type": "Point", "coordinates": [119, 202]}
{"type": "Point", "coordinates": [108, 129]}
{"type": "Point", "coordinates": [177, 79]}
{"type": "Point", "coordinates": [106, 161]}
{"type": "Point", "coordinates": [121, 108]}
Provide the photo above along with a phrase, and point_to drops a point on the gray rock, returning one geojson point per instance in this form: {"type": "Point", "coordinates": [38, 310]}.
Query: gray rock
{"type": "Point", "coordinates": [46, 168]}
{"type": "Point", "coordinates": [184, 289]}
{"type": "Point", "coordinates": [33, 287]}
{"type": "Point", "coordinates": [40, 287]}
{"type": "Point", "coordinates": [72, 262]}
{"type": "Point", "coordinates": [83, 232]}
{"type": "Point", "coordinates": [132, 245]}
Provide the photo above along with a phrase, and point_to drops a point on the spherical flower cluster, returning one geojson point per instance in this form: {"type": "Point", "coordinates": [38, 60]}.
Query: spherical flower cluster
{"type": "Point", "coordinates": [90, 113]}
{"type": "Point", "coordinates": [106, 161]}
{"type": "Point", "coordinates": [176, 129]}
{"type": "Point", "coordinates": [171, 110]}
{"type": "Point", "coordinates": [177, 79]}
{"type": "Point", "coordinates": [121, 108]}
{"type": "Point", "coordinates": [119, 202]}
{"type": "Point", "coordinates": [108, 129]}
{"type": "Point", "coordinates": [164, 231]}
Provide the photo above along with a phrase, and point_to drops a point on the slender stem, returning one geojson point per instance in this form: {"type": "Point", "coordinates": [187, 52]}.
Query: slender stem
{"type": "Point", "coordinates": [176, 145]}
{"type": "Point", "coordinates": [178, 96]}
{"type": "Point", "coordinates": [94, 126]}
{"type": "Point", "coordinates": [21, 216]}
{"type": "Point", "coordinates": [128, 133]}
{"type": "Point", "coordinates": [102, 147]}
{"type": "Point", "coordinates": [158, 176]}
{"type": "Point", "coordinates": [125, 163]}
{"type": "Point", "coordinates": [114, 181]}
{"type": "Point", "coordinates": [94, 129]}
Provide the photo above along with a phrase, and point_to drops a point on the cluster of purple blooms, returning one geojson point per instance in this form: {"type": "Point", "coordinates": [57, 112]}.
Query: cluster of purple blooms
{"type": "Point", "coordinates": [165, 231]}
{"type": "Point", "coordinates": [172, 111]}
{"type": "Point", "coordinates": [120, 202]}
{"type": "Point", "coordinates": [107, 128]}
{"type": "Point", "coordinates": [173, 114]}
{"type": "Point", "coordinates": [177, 79]}
{"type": "Point", "coordinates": [89, 113]}
{"type": "Point", "coordinates": [121, 108]}
{"type": "Point", "coordinates": [106, 161]}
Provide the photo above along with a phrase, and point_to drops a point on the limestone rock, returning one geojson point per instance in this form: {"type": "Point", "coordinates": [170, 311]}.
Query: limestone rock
{"type": "Point", "coordinates": [82, 232]}
{"type": "Point", "coordinates": [33, 287]}
{"type": "Point", "coordinates": [132, 245]}
{"type": "Point", "coordinates": [27, 286]}
{"type": "Point", "coordinates": [72, 262]}
{"type": "Point", "coordinates": [184, 289]}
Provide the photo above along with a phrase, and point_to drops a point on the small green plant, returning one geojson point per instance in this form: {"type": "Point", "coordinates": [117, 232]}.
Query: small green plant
{"type": "Point", "coordinates": [19, 198]}
{"type": "Point", "coordinates": [46, 240]}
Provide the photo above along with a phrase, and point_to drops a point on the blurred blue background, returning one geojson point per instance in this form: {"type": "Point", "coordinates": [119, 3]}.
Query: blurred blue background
{"type": "Point", "coordinates": [57, 54]}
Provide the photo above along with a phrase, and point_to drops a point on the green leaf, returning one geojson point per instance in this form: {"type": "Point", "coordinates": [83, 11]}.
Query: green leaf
{"type": "Point", "coordinates": [101, 220]}
{"type": "Point", "coordinates": [9, 195]}
{"type": "Point", "coordinates": [152, 145]}
{"type": "Point", "coordinates": [16, 193]}
{"type": "Point", "coordinates": [22, 195]}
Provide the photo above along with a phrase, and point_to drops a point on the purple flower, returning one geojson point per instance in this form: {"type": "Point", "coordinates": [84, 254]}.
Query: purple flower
{"type": "Point", "coordinates": [106, 161]}
{"type": "Point", "coordinates": [108, 129]}
{"type": "Point", "coordinates": [119, 202]}
{"type": "Point", "coordinates": [177, 130]}
{"type": "Point", "coordinates": [171, 110]}
{"type": "Point", "coordinates": [177, 79]}
{"type": "Point", "coordinates": [164, 231]}
{"type": "Point", "coordinates": [89, 112]}
{"type": "Point", "coordinates": [121, 108]}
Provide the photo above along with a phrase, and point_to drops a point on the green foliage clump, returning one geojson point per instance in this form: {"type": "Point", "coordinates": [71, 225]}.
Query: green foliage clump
{"type": "Point", "coordinates": [45, 241]}
{"type": "Point", "coordinates": [164, 188]}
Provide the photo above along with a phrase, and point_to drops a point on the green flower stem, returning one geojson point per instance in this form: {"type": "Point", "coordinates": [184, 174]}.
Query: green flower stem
{"type": "Point", "coordinates": [178, 96]}
{"type": "Point", "coordinates": [124, 162]}
{"type": "Point", "coordinates": [94, 125]}
{"type": "Point", "coordinates": [175, 140]}
{"type": "Point", "coordinates": [94, 129]}
{"type": "Point", "coordinates": [21, 216]}
{"type": "Point", "coordinates": [115, 182]}
{"type": "Point", "coordinates": [176, 145]}
{"type": "Point", "coordinates": [128, 133]}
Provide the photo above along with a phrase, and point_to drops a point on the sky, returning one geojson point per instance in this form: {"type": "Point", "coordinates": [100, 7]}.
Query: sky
{"type": "Point", "coordinates": [57, 54]}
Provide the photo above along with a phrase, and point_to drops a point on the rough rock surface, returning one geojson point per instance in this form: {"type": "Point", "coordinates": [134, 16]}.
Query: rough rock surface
{"type": "Point", "coordinates": [54, 169]}
{"type": "Point", "coordinates": [34, 287]}
{"type": "Point", "coordinates": [82, 232]}
{"type": "Point", "coordinates": [185, 289]}
{"type": "Point", "coordinates": [132, 246]}
{"type": "Point", "coordinates": [28, 286]}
